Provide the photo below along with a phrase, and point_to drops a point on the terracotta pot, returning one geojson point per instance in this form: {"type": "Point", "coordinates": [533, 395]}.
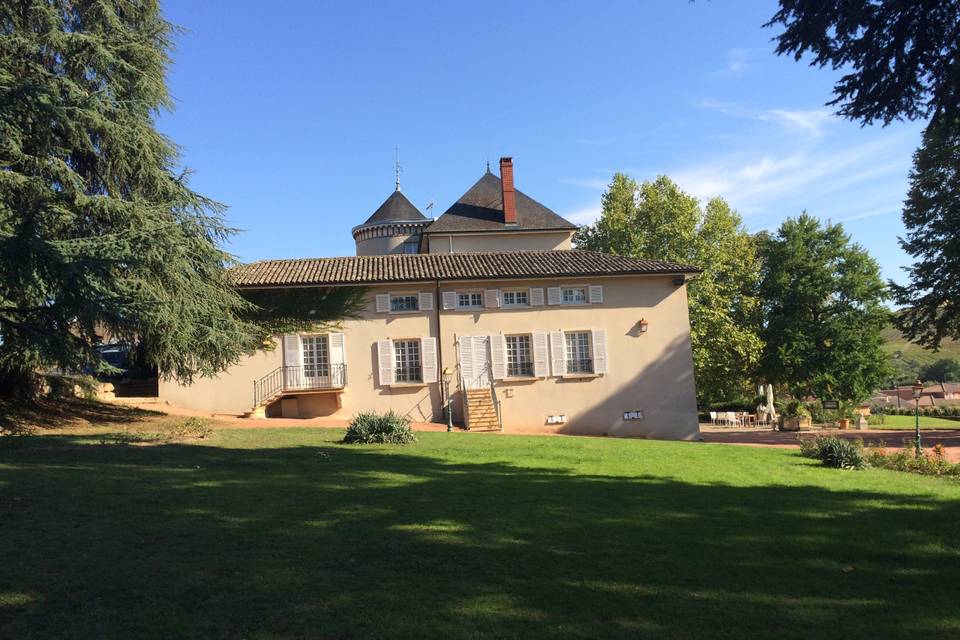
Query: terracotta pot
{"type": "Point", "coordinates": [844, 423]}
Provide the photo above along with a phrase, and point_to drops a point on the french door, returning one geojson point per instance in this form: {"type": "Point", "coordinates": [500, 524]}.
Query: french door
{"type": "Point", "coordinates": [316, 362]}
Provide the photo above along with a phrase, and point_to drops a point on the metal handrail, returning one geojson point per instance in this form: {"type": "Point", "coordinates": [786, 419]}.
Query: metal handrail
{"type": "Point", "coordinates": [298, 378]}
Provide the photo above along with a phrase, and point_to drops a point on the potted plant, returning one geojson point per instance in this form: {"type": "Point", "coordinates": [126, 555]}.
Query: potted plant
{"type": "Point", "coordinates": [795, 416]}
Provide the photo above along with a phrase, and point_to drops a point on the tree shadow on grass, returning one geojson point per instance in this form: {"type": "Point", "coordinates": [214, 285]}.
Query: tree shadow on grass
{"type": "Point", "coordinates": [337, 542]}
{"type": "Point", "coordinates": [60, 413]}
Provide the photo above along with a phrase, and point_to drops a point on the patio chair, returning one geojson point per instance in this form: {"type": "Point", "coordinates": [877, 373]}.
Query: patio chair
{"type": "Point", "coordinates": [713, 418]}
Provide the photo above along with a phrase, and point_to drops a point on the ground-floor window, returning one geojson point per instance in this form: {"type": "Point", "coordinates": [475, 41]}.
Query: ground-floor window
{"type": "Point", "coordinates": [407, 360]}
{"type": "Point", "coordinates": [579, 359]}
{"type": "Point", "coordinates": [519, 361]}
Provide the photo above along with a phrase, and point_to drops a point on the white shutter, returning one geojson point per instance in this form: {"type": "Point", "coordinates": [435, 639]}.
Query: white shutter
{"type": "Point", "coordinates": [385, 358]}
{"type": "Point", "coordinates": [426, 301]}
{"type": "Point", "coordinates": [428, 359]}
{"type": "Point", "coordinates": [541, 357]}
{"type": "Point", "coordinates": [383, 303]}
{"type": "Point", "coordinates": [553, 295]}
{"type": "Point", "coordinates": [449, 299]}
{"type": "Point", "coordinates": [338, 358]}
{"type": "Point", "coordinates": [599, 350]}
{"type": "Point", "coordinates": [558, 353]}
{"type": "Point", "coordinates": [536, 297]}
{"type": "Point", "coordinates": [292, 351]}
{"type": "Point", "coordinates": [467, 361]}
{"type": "Point", "coordinates": [595, 293]}
{"type": "Point", "coordinates": [491, 298]}
{"type": "Point", "coordinates": [498, 356]}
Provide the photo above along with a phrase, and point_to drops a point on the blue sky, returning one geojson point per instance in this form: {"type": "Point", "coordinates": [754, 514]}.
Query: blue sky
{"type": "Point", "coordinates": [289, 113]}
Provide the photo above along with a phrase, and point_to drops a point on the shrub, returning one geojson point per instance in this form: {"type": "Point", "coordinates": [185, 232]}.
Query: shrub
{"type": "Point", "coordinates": [933, 462]}
{"type": "Point", "coordinates": [796, 409]}
{"type": "Point", "coordinates": [375, 428]}
{"type": "Point", "coordinates": [838, 453]}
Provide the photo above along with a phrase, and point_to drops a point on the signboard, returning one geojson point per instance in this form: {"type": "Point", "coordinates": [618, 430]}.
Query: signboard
{"type": "Point", "coordinates": [831, 405]}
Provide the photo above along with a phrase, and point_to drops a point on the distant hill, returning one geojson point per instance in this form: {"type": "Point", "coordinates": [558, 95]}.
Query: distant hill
{"type": "Point", "coordinates": [907, 358]}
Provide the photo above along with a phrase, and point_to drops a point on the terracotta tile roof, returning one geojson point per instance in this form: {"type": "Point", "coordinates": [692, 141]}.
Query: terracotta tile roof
{"type": "Point", "coordinates": [427, 267]}
{"type": "Point", "coordinates": [481, 209]}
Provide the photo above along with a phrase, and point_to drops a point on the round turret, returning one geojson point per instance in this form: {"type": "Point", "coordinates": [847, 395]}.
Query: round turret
{"type": "Point", "coordinates": [395, 227]}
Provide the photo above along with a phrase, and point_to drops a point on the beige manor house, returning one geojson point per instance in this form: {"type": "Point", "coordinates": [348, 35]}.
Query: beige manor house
{"type": "Point", "coordinates": [530, 334]}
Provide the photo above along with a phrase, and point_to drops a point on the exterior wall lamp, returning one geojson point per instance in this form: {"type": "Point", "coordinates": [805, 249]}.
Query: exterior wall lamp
{"type": "Point", "coordinates": [643, 325]}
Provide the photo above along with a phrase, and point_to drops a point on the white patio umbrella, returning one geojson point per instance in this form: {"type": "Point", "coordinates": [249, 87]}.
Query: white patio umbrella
{"type": "Point", "coordinates": [770, 410]}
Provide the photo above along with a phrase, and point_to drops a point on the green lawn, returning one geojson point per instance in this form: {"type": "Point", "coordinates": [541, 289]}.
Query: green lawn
{"type": "Point", "coordinates": [908, 422]}
{"type": "Point", "coordinates": [285, 534]}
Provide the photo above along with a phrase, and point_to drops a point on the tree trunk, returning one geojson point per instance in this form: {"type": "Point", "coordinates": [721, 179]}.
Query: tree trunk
{"type": "Point", "coordinates": [19, 385]}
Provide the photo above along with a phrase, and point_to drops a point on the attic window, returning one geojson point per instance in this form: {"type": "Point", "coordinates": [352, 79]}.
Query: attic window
{"type": "Point", "coordinates": [404, 302]}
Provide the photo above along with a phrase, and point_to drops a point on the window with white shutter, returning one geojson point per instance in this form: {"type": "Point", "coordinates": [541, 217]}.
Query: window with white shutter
{"type": "Point", "coordinates": [385, 360]}
{"type": "Point", "coordinates": [449, 300]}
{"type": "Point", "coordinates": [541, 356]}
{"type": "Point", "coordinates": [428, 359]}
{"type": "Point", "coordinates": [599, 351]}
{"type": "Point", "coordinates": [466, 358]}
{"type": "Point", "coordinates": [292, 352]}
{"type": "Point", "coordinates": [491, 298]}
{"type": "Point", "coordinates": [338, 359]}
{"type": "Point", "coordinates": [498, 357]}
{"type": "Point", "coordinates": [536, 297]}
{"type": "Point", "coordinates": [579, 351]}
{"type": "Point", "coordinates": [426, 301]}
{"type": "Point", "coordinates": [596, 294]}
{"type": "Point", "coordinates": [558, 353]}
{"type": "Point", "coordinates": [553, 295]}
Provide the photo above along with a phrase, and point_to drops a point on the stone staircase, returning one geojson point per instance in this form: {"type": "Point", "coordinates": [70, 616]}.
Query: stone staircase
{"type": "Point", "coordinates": [481, 412]}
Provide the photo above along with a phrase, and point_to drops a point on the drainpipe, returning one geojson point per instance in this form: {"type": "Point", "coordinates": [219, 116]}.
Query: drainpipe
{"type": "Point", "coordinates": [438, 306]}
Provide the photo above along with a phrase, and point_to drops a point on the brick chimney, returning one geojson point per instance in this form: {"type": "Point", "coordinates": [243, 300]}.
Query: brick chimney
{"type": "Point", "coordinates": [509, 195]}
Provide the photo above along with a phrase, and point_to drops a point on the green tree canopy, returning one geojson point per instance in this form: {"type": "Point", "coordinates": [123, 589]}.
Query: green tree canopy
{"type": "Point", "coordinates": [943, 370]}
{"type": "Point", "coordinates": [823, 312]}
{"type": "Point", "coordinates": [902, 58]}
{"type": "Point", "coordinates": [931, 214]}
{"type": "Point", "coordinates": [658, 220]}
{"type": "Point", "coordinates": [99, 231]}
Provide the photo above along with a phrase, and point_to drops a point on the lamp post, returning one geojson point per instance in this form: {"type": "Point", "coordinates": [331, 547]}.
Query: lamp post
{"type": "Point", "coordinates": [917, 390]}
{"type": "Point", "coordinates": [447, 376]}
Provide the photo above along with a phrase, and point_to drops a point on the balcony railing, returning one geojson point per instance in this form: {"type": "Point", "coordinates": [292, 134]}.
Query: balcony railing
{"type": "Point", "coordinates": [299, 378]}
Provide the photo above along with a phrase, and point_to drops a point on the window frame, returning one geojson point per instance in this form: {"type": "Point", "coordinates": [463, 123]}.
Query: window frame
{"type": "Point", "coordinates": [404, 294]}
{"type": "Point", "coordinates": [584, 289]}
{"type": "Point", "coordinates": [405, 363]}
{"type": "Point", "coordinates": [471, 293]}
{"type": "Point", "coordinates": [582, 363]}
{"type": "Point", "coordinates": [514, 292]}
{"type": "Point", "coordinates": [515, 367]}
{"type": "Point", "coordinates": [320, 354]}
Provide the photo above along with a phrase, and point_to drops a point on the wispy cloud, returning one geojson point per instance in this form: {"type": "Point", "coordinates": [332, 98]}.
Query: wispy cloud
{"type": "Point", "coordinates": [736, 63]}
{"type": "Point", "coordinates": [599, 184]}
{"type": "Point", "coordinates": [810, 175]}
{"type": "Point", "coordinates": [584, 215]}
{"type": "Point", "coordinates": [809, 121]}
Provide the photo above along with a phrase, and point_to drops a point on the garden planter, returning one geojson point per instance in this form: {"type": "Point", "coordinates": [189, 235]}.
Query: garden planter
{"type": "Point", "coordinates": [794, 424]}
{"type": "Point", "coordinates": [843, 424]}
